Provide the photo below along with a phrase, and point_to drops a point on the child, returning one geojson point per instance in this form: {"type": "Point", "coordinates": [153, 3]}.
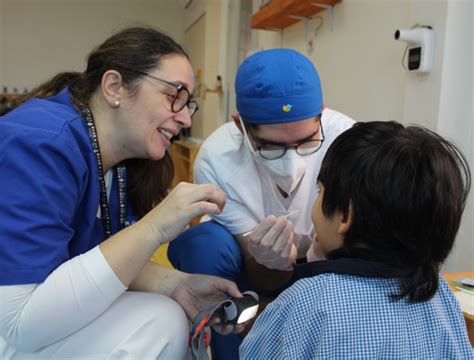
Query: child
{"type": "Point", "coordinates": [390, 204]}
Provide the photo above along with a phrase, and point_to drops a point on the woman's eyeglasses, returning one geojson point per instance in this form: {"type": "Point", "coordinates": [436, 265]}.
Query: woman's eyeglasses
{"type": "Point", "coordinates": [179, 100]}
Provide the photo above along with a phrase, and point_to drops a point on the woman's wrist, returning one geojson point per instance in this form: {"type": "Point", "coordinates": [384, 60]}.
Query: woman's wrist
{"type": "Point", "coordinates": [151, 231]}
{"type": "Point", "coordinates": [158, 279]}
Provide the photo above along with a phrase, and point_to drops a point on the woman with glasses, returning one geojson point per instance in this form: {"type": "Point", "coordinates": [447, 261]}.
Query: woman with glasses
{"type": "Point", "coordinates": [84, 173]}
{"type": "Point", "coordinates": [265, 161]}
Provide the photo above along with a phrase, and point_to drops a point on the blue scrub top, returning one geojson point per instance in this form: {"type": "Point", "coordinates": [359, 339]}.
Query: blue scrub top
{"type": "Point", "coordinates": [49, 190]}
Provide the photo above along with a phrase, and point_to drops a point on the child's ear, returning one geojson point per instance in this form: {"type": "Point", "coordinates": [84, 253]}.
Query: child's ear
{"type": "Point", "coordinates": [345, 221]}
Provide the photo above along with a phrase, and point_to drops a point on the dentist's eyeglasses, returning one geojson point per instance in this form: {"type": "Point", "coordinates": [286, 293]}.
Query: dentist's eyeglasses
{"type": "Point", "coordinates": [273, 152]}
{"type": "Point", "coordinates": [179, 100]}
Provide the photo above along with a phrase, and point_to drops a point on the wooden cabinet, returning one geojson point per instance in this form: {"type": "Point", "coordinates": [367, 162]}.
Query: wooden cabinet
{"type": "Point", "coordinates": [8, 101]}
{"type": "Point", "coordinates": [279, 14]}
{"type": "Point", "coordinates": [10, 96]}
{"type": "Point", "coordinates": [183, 154]}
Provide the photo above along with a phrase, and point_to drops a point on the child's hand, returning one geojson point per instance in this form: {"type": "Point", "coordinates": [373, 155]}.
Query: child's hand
{"type": "Point", "coordinates": [271, 243]}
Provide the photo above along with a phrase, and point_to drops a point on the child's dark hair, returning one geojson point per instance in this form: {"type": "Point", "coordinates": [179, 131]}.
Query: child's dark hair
{"type": "Point", "coordinates": [407, 189]}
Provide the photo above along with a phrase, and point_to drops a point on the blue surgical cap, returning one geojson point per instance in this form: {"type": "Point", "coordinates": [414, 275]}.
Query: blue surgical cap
{"type": "Point", "coordinates": [277, 86]}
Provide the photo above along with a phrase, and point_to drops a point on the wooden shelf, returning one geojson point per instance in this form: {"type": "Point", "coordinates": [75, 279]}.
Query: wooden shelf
{"type": "Point", "coordinates": [8, 101]}
{"type": "Point", "coordinates": [10, 96]}
{"type": "Point", "coordinates": [278, 13]}
{"type": "Point", "coordinates": [182, 157]}
{"type": "Point", "coordinates": [216, 91]}
{"type": "Point", "coordinates": [183, 154]}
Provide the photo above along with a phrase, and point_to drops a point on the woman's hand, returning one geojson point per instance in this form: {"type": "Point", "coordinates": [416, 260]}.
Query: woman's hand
{"type": "Point", "coordinates": [199, 292]}
{"type": "Point", "coordinates": [182, 204]}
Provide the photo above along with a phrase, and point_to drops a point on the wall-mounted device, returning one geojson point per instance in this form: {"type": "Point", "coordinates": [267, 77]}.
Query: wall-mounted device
{"type": "Point", "coordinates": [420, 48]}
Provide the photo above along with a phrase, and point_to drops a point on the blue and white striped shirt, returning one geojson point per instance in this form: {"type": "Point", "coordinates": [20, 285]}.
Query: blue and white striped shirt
{"type": "Point", "coordinates": [335, 316]}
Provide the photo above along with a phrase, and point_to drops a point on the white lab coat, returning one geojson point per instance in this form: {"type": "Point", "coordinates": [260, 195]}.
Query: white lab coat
{"type": "Point", "coordinates": [251, 194]}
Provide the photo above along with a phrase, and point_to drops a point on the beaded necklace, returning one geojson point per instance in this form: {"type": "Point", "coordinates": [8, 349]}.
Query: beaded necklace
{"type": "Point", "coordinates": [121, 172]}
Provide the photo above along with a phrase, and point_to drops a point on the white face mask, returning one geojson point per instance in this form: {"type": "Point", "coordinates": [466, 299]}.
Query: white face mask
{"type": "Point", "coordinates": [286, 171]}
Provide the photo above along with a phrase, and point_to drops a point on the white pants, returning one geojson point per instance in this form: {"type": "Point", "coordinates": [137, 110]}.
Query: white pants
{"type": "Point", "coordinates": [136, 326]}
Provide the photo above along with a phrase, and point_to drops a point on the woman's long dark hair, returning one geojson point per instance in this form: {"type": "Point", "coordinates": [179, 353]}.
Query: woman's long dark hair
{"type": "Point", "coordinates": [138, 48]}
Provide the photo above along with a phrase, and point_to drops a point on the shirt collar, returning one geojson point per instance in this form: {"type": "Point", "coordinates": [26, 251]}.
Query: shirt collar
{"type": "Point", "coordinates": [355, 261]}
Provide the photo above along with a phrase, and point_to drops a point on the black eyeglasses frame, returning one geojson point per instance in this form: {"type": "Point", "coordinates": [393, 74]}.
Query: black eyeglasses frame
{"type": "Point", "coordinates": [286, 148]}
{"type": "Point", "coordinates": [179, 89]}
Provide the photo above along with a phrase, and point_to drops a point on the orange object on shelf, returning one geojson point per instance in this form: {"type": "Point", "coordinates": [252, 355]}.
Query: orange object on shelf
{"type": "Point", "coordinates": [277, 14]}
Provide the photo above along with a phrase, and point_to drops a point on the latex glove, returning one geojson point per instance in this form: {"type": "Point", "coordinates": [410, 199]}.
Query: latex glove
{"type": "Point", "coordinates": [199, 292]}
{"type": "Point", "coordinates": [182, 204]}
{"type": "Point", "coordinates": [271, 243]}
{"type": "Point", "coordinates": [315, 252]}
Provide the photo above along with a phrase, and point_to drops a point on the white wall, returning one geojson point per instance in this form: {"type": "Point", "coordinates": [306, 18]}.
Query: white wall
{"type": "Point", "coordinates": [359, 62]}
{"type": "Point", "coordinates": [41, 38]}
{"type": "Point", "coordinates": [229, 57]}
{"type": "Point", "coordinates": [193, 40]}
{"type": "Point", "coordinates": [455, 117]}
{"type": "Point", "coordinates": [422, 91]}
{"type": "Point", "coordinates": [206, 40]}
{"type": "Point", "coordinates": [193, 12]}
{"type": "Point", "coordinates": [212, 104]}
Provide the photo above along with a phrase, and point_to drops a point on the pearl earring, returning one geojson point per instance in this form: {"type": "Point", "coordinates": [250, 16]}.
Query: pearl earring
{"type": "Point", "coordinates": [117, 103]}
